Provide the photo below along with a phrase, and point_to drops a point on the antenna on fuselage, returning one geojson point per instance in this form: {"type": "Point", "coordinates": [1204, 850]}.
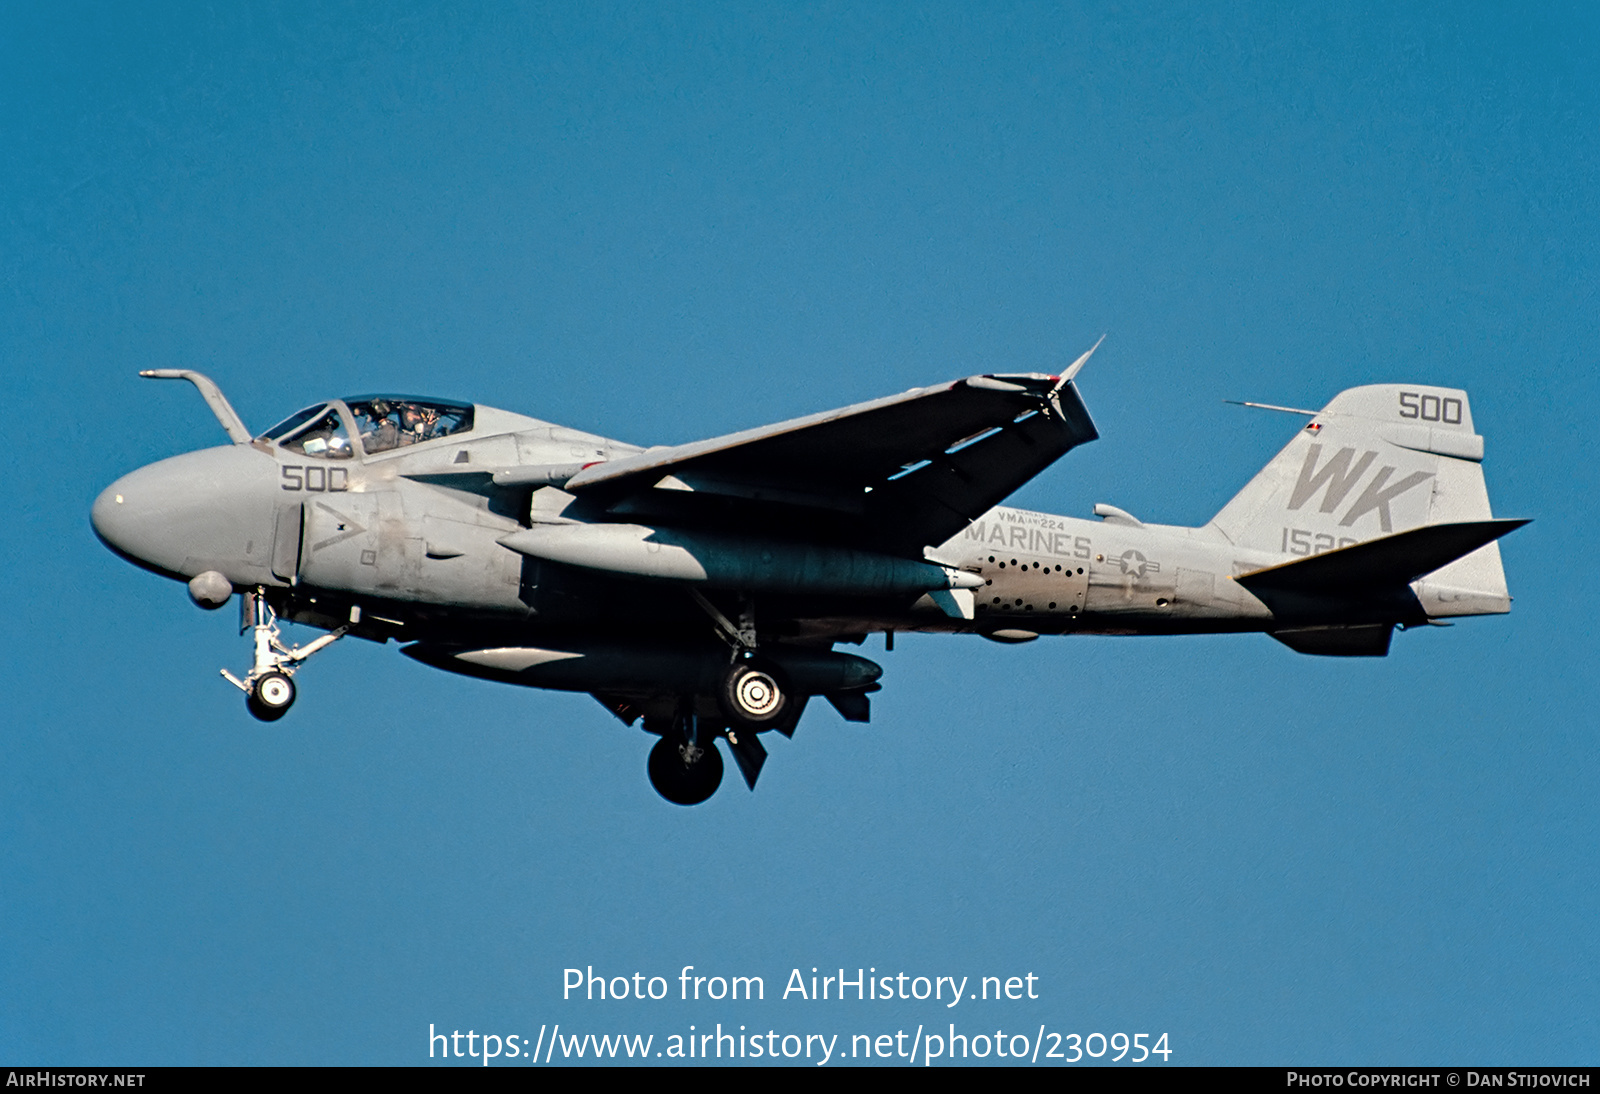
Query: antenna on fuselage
{"type": "Point", "coordinates": [1269, 406]}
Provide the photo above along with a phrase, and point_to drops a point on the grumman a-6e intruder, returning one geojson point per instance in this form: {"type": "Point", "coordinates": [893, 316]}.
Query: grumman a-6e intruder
{"type": "Point", "coordinates": [700, 589]}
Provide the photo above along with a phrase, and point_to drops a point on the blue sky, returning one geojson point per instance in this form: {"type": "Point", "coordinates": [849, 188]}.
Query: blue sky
{"type": "Point", "coordinates": [666, 222]}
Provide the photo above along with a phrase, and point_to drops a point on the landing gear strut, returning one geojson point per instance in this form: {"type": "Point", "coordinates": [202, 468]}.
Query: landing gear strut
{"type": "Point", "coordinates": [268, 688]}
{"type": "Point", "coordinates": [685, 766]}
{"type": "Point", "coordinates": [752, 694]}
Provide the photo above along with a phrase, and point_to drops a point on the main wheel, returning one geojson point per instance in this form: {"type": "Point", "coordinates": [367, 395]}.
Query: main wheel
{"type": "Point", "coordinates": [682, 773]}
{"type": "Point", "coordinates": [753, 696]}
{"type": "Point", "coordinates": [271, 696]}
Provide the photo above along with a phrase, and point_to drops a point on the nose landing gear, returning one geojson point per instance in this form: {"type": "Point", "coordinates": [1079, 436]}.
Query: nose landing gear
{"type": "Point", "coordinates": [268, 688]}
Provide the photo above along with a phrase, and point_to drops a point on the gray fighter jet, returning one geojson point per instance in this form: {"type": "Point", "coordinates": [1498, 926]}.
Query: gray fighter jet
{"type": "Point", "coordinates": [699, 589]}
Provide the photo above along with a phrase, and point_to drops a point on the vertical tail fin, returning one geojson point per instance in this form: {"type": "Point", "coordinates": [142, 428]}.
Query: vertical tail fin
{"type": "Point", "coordinates": [1378, 460]}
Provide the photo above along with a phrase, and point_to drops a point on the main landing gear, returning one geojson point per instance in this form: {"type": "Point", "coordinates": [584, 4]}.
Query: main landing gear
{"type": "Point", "coordinates": [751, 696]}
{"type": "Point", "coordinates": [686, 766]}
{"type": "Point", "coordinates": [269, 688]}
{"type": "Point", "coordinates": [751, 693]}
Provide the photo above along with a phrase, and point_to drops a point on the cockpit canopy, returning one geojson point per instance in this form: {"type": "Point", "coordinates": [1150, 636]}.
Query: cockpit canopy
{"type": "Point", "coordinates": [380, 423]}
{"type": "Point", "coordinates": [393, 421]}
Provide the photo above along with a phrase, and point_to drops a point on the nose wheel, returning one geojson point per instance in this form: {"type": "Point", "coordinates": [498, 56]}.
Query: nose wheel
{"type": "Point", "coordinates": [268, 688]}
{"type": "Point", "coordinates": [271, 696]}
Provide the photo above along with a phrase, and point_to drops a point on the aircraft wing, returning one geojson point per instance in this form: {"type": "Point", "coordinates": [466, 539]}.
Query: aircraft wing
{"type": "Point", "coordinates": [894, 474]}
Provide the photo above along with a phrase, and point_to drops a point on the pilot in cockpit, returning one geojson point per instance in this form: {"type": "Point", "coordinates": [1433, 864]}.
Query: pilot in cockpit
{"type": "Point", "coordinates": [417, 422]}
{"type": "Point", "coordinates": [326, 439]}
{"type": "Point", "coordinates": [381, 433]}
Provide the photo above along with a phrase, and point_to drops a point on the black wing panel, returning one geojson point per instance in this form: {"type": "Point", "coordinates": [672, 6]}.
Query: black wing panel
{"type": "Point", "coordinates": [933, 503]}
{"type": "Point", "coordinates": [895, 474]}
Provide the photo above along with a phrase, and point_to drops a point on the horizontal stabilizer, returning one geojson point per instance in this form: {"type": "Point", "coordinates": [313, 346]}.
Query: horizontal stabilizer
{"type": "Point", "coordinates": [1380, 563]}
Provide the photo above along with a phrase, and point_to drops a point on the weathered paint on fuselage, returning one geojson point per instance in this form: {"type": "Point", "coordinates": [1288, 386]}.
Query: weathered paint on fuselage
{"type": "Point", "coordinates": [325, 535]}
{"type": "Point", "coordinates": [1054, 574]}
{"type": "Point", "coordinates": [698, 590]}
{"type": "Point", "coordinates": [411, 539]}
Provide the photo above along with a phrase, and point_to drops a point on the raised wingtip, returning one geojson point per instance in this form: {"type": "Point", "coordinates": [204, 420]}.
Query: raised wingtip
{"type": "Point", "coordinates": [1072, 371]}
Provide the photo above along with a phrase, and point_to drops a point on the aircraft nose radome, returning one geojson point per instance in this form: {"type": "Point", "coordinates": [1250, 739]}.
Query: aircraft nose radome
{"type": "Point", "coordinates": [107, 516]}
{"type": "Point", "coordinates": [125, 520]}
{"type": "Point", "coordinates": [202, 509]}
